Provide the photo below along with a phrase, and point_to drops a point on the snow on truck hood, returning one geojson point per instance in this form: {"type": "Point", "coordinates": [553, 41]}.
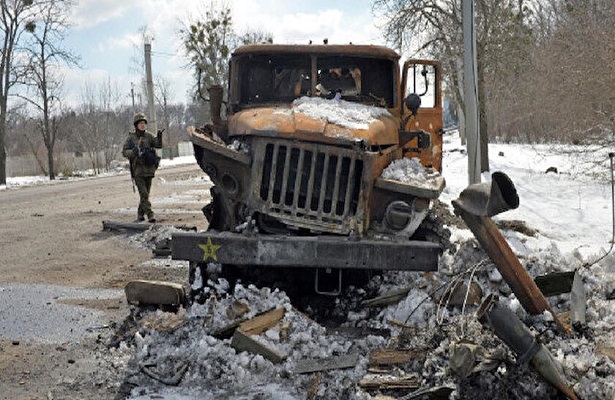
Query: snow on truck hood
{"type": "Point", "coordinates": [336, 119]}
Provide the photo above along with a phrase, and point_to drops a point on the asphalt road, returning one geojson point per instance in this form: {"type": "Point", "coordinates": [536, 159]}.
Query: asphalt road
{"type": "Point", "coordinates": [62, 277]}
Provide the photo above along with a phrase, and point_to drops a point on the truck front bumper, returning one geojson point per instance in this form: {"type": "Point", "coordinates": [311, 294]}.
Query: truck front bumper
{"type": "Point", "coordinates": [300, 251]}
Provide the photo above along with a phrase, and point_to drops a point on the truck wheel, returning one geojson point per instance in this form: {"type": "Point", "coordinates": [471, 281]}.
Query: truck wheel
{"type": "Point", "coordinates": [432, 229]}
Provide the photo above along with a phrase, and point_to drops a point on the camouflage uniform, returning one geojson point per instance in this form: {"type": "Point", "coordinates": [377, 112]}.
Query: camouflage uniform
{"type": "Point", "coordinates": [139, 149]}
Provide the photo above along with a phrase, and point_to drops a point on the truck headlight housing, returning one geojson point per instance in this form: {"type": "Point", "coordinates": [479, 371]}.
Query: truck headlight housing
{"type": "Point", "coordinates": [397, 215]}
{"type": "Point", "coordinates": [403, 218]}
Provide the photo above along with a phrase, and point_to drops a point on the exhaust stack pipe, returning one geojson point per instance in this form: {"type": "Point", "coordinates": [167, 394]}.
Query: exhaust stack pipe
{"type": "Point", "coordinates": [216, 94]}
{"type": "Point", "coordinates": [509, 328]}
{"type": "Point", "coordinates": [475, 205]}
{"type": "Point", "coordinates": [489, 199]}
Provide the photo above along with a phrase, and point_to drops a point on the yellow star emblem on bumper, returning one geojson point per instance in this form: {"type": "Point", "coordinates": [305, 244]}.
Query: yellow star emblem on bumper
{"type": "Point", "coordinates": [209, 250]}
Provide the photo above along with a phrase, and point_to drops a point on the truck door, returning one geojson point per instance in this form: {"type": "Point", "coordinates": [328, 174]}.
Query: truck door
{"type": "Point", "coordinates": [424, 78]}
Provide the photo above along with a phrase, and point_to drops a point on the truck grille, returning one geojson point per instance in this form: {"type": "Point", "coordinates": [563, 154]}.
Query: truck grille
{"type": "Point", "coordinates": [310, 186]}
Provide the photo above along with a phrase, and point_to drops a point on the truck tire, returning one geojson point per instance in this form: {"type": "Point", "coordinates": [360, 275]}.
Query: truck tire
{"type": "Point", "coordinates": [432, 229]}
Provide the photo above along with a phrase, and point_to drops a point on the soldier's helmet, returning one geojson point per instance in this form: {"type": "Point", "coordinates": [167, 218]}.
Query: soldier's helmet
{"type": "Point", "coordinates": [138, 118]}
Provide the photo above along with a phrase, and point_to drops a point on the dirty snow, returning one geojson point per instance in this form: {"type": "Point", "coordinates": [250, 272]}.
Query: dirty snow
{"type": "Point", "coordinates": [340, 112]}
{"type": "Point", "coordinates": [410, 170]}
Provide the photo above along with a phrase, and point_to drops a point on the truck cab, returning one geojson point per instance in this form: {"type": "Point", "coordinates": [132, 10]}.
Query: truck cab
{"type": "Point", "coordinates": [326, 158]}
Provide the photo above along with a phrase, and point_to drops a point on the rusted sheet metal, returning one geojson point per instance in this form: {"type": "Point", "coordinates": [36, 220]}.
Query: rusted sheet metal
{"type": "Point", "coordinates": [473, 205]}
{"type": "Point", "coordinates": [209, 144]}
{"type": "Point", "coordinates": [555, 283]}
{"type": "Point", "coordinates": [289, 123]}
{"type": "Point", "coordinates": [312, 251]}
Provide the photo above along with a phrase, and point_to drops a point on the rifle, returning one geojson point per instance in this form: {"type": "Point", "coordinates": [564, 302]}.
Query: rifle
{"type": "Point", "coordinates": [133, 147]}
{"type": "Point", "coordinates": [132, 175]}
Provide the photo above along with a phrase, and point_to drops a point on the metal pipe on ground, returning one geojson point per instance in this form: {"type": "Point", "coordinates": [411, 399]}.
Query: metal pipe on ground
{"type": "Point", "coordinates": [475, 205]}
{"type": "Point", "coordinates": [517, 336]}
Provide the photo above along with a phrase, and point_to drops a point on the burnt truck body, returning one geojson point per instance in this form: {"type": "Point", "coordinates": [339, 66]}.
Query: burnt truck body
{"type": "Point", "coordinates": [297, 165]}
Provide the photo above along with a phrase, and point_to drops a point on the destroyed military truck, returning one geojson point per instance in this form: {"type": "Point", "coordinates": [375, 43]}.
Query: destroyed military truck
{"type": "Point", "coordinates": [306, 164]}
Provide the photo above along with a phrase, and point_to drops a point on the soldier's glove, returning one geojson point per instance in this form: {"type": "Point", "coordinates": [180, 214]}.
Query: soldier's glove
{"type": "Point", "coordinates": [140, 152]}
{"type": "Point", "coordinates": [160, 132]}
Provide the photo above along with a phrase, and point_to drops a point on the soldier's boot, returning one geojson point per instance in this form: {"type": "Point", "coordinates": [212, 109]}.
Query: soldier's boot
{"type": "Point", "coordinates": [140, 218]}
{"type": "Point", "coordinates": [151, 218]}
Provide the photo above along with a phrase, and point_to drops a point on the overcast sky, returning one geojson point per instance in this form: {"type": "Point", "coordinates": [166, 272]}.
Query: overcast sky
{"type": "Point", "coordinates": [105, 34]}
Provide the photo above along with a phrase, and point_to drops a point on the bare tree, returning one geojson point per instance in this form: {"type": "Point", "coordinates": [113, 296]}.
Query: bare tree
{"type": "Point", "coordinates": [163, 91]}
{"type": "Point", "coordinates": [574, 69]}
{"type": "Point", "coordinates": [101, 124]}
{"type": "Point", "coordinates": [44, 76]}
{"type": "Point", "coordinates": [13, 17]}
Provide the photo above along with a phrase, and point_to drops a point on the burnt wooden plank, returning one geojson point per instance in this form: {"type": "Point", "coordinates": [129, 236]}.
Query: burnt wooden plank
{"type": "Point", "coordinates": [263, 322]}
{"type": "Point", "coordinates": [325, 364]}
{"type": "Point", "coordinates": [394, 356]}
{"type": "Point", "coordinates": [243, 342]}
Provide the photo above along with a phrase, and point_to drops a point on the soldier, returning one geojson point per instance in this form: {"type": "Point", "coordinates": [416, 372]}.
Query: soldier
{"type": "Point", "coordinates": [139, 149]}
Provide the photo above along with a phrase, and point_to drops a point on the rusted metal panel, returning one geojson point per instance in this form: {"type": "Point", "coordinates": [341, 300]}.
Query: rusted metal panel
{"type": "Point", "coordinates": [302, 251]}
{"type": "Point", "coordinates": [429, 120]}
{"type": "Point", "coordinates": [219, 148]}
{"type": "Point", "coordinates": [283, 121]}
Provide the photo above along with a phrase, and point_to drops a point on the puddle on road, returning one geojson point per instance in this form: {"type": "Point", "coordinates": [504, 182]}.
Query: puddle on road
{"type": "Point", "coordinates": [51, 314]}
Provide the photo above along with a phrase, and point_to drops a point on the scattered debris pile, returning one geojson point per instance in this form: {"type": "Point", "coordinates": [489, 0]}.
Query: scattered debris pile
{"type": "Point", "coordinates": [487, 325]}
{"type": "Point", "coordinates": [420, 337]}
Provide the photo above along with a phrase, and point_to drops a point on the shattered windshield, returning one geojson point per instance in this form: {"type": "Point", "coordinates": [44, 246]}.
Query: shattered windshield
{"type": "Point", "coordinates": [284, 78]}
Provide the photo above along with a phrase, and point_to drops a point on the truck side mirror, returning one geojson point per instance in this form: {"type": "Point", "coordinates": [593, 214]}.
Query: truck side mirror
{"type": "Point", "coordinates": [413, 103]}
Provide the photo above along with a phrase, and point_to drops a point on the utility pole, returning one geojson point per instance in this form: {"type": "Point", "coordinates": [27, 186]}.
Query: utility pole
{"type": "Point", "coordinates": [472, 126]}
{"type": "Point", "coordinates": [150, 86]}
{"type": "Point", "coordinates": [132, 96]}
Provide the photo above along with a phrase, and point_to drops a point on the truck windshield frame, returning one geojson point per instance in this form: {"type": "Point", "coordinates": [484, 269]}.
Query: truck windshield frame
{"type": "Point", "coordinates": [262, 79]}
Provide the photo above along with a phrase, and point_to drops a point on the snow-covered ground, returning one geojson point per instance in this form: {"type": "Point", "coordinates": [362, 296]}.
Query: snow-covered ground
{"type": "Point", "coordinates": [571, 209]}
